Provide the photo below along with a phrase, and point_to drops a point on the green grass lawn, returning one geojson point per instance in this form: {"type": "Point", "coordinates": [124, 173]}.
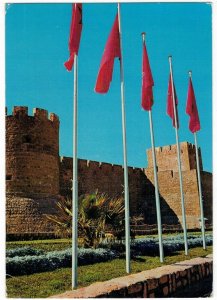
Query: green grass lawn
{"type": "Point", "coordinates": [45, 284]}
{"type": "Point", "coordinates": [46, 245]}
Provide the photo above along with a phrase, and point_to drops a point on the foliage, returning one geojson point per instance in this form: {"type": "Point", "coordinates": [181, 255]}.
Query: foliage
{"type": "Point", "coordinates": [63, 217]}
{"type": "Point", "coordinates": [23, 251]}
{"type": "Point", "coordinates": [171, 244]}
{"type": "Point", "coordinates": [150, 245]}
{"type": "Point", "coordinates": [20, 265]}
{"type": "Point", "coordinates": [41, 285]}
{"type": "Point", "coordinates": [97, 213]}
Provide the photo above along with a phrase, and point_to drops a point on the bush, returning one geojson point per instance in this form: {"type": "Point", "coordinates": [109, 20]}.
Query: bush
{"type": "Point", "coordinates": [23, 265]}
{"type": "Point", "coordinates": [171, 244]}
{"type": "Point", "coordinates": [90, 256]}
{"type": "Point", "coordinates": [36, 261]}
{"type": "Point", "coordinates": [23, 251]}
{"type": "Point", "coordinates": [150, 246]}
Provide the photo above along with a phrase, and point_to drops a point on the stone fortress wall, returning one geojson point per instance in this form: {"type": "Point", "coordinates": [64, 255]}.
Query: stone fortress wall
{"type": "Point", "coordinates": [36, 176]}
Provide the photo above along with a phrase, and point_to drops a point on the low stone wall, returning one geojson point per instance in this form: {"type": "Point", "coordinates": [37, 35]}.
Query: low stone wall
{"type": "Point", "coordinates": [189, 278]}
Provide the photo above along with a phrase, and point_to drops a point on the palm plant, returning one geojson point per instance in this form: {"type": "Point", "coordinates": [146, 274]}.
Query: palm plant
{"type": "Point", "coordinates": [97, 213]}
{"type": "Point", "coordinates": [63, 217]}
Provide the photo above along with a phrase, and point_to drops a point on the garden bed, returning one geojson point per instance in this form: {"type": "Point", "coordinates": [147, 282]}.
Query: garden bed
{"type": "Point", "coordinates": [27, 260]}
{"type": "Point", "coordinates": [45, 284]}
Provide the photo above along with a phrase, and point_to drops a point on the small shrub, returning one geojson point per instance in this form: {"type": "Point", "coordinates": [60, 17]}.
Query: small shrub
{"type": "Point", "coordinates": [150, 246]}
{"type": "Point", "coordinates": [24, 265]}
{"type": "Point", "coordinates": [23, 251]}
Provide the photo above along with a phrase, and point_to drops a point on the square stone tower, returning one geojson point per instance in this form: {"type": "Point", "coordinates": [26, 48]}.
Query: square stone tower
{"type": "Point", "coordinates": [169, 186]}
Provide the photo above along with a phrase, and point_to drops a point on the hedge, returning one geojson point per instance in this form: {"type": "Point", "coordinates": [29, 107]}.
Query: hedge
{"type": "Point", "coordinates": [23, 251]}
{"type": "Point", "coordinates": [36, 261]}
{"type": "Point", "coordinates": [170, 245]}
{"type": "Point", "coordinates": [150, 246]}
{"type": "Point", "coordinates": [23, 265]}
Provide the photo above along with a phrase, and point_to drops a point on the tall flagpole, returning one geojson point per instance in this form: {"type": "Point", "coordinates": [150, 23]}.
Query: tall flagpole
{"type": "Point", "coordinates": [179, 162]}
{"type": "Point", "coordinates": [75, 182]}
{"type": "Point", "coordinates": [157, 198]}
{"type": "Point", "coordinates": [126, 188]}
{"type": "Point", "coordinates": [199, 187]}
{"type": "Point", "coordinates": [200, 194]}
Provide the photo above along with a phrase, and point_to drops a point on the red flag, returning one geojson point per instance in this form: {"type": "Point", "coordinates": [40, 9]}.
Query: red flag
{"type": "Point", "coordinates": [191, 109]}
{"type": "Point", "coordinates": [170, 109]}
{"type": "Point", "coordinates": [112, 50]}
{"type": "Point", "coordinates": [147, 82]}
{"type": "Point", "coordinates": [75, 34]}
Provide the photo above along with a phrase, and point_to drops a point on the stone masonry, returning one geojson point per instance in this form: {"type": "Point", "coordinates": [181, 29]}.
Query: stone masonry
{"type": "Point", "coordinates": [36, 176]}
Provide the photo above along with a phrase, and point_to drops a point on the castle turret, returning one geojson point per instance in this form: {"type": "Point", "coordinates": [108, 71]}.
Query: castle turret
{"type": "Point", "coordinates": [32, 153]}
{"type": "Point", "coordinates": [169, 184]}
{"type": "Point", "coordinates": [32, 171]}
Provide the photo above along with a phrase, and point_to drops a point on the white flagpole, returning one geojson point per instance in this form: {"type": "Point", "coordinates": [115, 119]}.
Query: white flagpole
{"type": "Point", "coordinates": [200, 194]}
{"type": "Point", "coordinates": [75, 183]}
{"type": "Point", "coordinates": [199, 187]}
{"type": "Point", "coordinates": [157, 198]}
{"type": "Point", "coordinates": [179, 162]}
{"type": "Point", "coordinates": [126, 188]}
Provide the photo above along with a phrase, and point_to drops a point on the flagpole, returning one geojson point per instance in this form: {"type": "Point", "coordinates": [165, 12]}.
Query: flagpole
{"type": "Point", "coordinates": [157, 198]}
{"type": "Point", "coordinates": [199, 186]}
{"type": "Point", "coordinates": [200, 194]}
{"type": "Point", "coordinates": [75, 182]}
{"type": "Point", "coordinates": [126, 188]}
{"type": "Point", "coordinates": [179, 162]}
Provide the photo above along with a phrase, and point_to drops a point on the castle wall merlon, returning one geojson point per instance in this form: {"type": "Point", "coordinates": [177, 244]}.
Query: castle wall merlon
{"type": "Point", "coordinates": [40, 113]}
{"type": "Point", "coordinates": [20, 111]}
{"type": "Point", "coordinates": [54, 118]}
{"type": "Point", "coordinates": [66, 161]}
{"type": "Point", "coordinates": [106, 167]}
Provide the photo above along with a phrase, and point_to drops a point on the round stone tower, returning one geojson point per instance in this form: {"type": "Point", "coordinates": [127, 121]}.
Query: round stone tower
{"type": "Point", "coordinates": [32, 153]}
{"type": "Point", "coordinates": [32, 169]}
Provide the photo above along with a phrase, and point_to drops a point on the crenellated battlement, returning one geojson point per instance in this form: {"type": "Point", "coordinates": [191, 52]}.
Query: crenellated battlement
{"type": "Point", "coordinates": [38, 113]}
{"type": "Point", "coordinates": [67, 163]}
{"type": "Point", "coordinates": [166, 157]}
{"type": "Point", "coordinates": [168, 149]}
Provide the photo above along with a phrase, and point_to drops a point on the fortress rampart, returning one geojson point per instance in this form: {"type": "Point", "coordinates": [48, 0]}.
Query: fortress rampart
{"type": "Point", "coordinates": [36, 176]}
{"type": "Point", "coordinates": [109, 179]}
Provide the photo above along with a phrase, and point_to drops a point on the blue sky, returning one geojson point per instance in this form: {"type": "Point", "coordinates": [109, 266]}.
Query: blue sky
{"type": "Point", "coordinates": [37, 46]}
